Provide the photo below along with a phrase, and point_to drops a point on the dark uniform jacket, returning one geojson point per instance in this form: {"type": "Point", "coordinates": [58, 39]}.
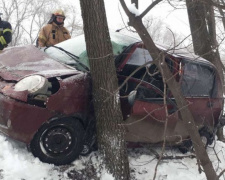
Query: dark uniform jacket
{"type": "Point", "coordinates": [5, 34]}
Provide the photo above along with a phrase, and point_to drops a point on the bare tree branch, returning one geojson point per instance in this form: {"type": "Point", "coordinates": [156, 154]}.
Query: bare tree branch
{"type": "Point", "coordinates": [221, 173]}
{"type": "Point", "coordinates": [213, 3]}
{"type": "Point", "coordinates": [149, 8]}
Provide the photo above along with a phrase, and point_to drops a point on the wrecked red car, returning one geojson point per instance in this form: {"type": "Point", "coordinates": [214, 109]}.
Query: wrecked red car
{"type": "Point", "coordinates": [45, 97]}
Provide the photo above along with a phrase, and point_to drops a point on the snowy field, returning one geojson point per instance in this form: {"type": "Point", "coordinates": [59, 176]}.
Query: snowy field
{"type": "Point", "coordinates": [16, 163]}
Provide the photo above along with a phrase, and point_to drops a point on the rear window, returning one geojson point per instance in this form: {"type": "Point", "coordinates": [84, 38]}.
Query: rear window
{"type": "Point", "coordinates": [197, 80]}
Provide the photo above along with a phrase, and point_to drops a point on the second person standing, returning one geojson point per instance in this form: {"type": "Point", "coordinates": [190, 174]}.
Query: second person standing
{"type": "Point", "coordinates": [54, 32]}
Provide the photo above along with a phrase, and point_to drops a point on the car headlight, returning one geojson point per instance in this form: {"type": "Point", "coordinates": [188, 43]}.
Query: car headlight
{"type": "Point", "coordinates": [34, 84]}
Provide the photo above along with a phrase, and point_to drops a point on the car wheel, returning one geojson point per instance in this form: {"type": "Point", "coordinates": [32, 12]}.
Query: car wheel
{"type": "Point", "coordinates": [58, 142]}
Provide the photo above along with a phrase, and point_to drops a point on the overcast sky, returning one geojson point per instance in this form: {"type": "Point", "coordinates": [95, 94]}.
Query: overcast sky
{"type": "Point", "coordinates": [176, 20]}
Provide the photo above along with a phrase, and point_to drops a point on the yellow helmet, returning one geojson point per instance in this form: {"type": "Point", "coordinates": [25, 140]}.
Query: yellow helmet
{"type": "Point", "coordinates": [59, 12]}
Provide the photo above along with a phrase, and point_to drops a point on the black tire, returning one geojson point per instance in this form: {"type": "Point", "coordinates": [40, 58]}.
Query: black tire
{"type": "Point", "coordinates": [58, 142]}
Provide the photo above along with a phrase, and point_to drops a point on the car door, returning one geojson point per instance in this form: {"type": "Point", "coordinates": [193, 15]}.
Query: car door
{"type": "Point", "coordinates": [202, 90]}
{"type": "Point", "coordinates": [147, 118]}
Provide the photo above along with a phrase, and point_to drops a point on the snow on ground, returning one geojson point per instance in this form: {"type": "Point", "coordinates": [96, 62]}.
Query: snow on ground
{"type": "Point", "coordinates": [16, 163]}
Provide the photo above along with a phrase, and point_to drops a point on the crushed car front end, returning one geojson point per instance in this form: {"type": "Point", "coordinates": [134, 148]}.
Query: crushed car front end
{"type": "Point", "coordinates": [35, 89]}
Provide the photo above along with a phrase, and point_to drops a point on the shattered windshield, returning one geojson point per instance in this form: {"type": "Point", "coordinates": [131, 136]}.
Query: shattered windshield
{"type": "Point", "coordinates": [198, 80]}
{"type": "Point", "coordinates": [73, 50]}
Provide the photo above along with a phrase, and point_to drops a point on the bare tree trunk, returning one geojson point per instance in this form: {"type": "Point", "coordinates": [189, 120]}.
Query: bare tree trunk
{"type": "Point", "coordinates": [185, 113]}
{"type": "Point", "coordinates": [215, 59]}
{"type": "Point", "coordinates": [104, 82]}
{"type": "Point", "coordinates": [203, 30]}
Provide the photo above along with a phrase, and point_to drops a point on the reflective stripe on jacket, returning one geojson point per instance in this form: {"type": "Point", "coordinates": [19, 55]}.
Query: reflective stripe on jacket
{"type": "Point", "coordinates": [5, 34]}
{"type": "Point", "coordinates": [52, 34]}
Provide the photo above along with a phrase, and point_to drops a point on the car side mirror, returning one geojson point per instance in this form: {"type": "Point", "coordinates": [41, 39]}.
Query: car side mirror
{"type": "Point", "coordinates": [131, 97]}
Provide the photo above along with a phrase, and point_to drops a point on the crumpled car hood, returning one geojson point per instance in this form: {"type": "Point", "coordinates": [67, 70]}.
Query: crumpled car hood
{"type": "Point", "coordinates": [20, 61]}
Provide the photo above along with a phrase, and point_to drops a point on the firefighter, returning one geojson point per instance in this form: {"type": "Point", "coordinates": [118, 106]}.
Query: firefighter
{"type": "Point", "coordinates": [54, 32]}
{"type": "Point", "coordinates": [5, 33]}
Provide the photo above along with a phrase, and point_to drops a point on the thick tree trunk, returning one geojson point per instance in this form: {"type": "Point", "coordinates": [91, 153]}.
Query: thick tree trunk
{"type": "Point", "coordinates": [203, 30]}
{"type": "Point", "coordinates": [104, 82]}
{"type": "Point", "coordinates": [185, 113]}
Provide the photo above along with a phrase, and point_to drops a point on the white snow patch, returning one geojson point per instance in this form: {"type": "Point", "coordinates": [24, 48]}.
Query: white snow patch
{"type": "Point", "coordinates": [16, 163]}
{"type": "Point", "coordinates": [133, 9]}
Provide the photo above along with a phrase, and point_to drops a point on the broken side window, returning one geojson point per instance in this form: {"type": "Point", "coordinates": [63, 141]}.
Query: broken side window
{"type": "Point", "coordinates": [197, 80]}
{"type": "Point", "coordinates": [139, 57]}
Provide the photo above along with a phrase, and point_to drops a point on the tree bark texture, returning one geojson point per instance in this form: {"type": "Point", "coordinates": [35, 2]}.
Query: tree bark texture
{"type": "Point", "coordinates": [173, 85]}
{"type": "Point", "coordinates": [203, 29]}
{"type": "Point", "coordinates": [105, 83]}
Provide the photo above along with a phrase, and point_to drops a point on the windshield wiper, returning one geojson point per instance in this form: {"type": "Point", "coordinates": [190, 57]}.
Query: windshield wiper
{"type": "Point", "coordinates": [74, 57]}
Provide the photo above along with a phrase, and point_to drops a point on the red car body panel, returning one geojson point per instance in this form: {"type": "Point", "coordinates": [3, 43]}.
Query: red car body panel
{"type": "Point", "coordinates": [21, 120]}
{"type": "Point", "coordinates": [17, 62]}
